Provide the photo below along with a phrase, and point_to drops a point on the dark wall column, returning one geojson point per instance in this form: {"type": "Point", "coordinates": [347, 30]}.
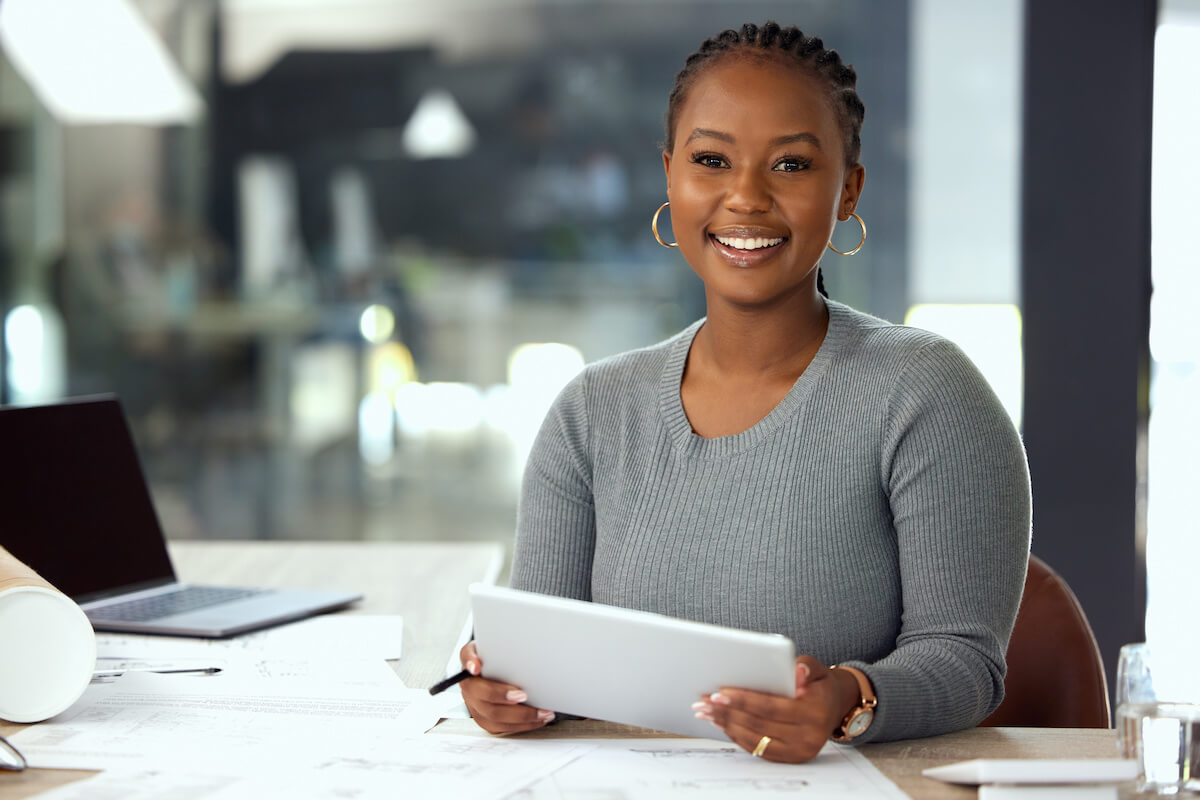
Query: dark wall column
{"type": "Point", "coordinates": [1085, 287]}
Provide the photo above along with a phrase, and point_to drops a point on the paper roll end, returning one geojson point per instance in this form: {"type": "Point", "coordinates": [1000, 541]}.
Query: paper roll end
{"type": "Point", "coordinates": [49, 653]}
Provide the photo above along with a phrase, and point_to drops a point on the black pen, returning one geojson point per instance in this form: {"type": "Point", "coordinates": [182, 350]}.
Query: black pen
{"type": "Point", "coordinates": [442, 686]}
{"type": "Point", "coordinates": [113, 673]}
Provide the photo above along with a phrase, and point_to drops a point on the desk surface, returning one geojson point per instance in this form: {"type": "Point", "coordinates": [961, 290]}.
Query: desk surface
{"type": "Point", "coordinates": [426, 583]}
{"type": "Point", "coordinates": [903, 761]}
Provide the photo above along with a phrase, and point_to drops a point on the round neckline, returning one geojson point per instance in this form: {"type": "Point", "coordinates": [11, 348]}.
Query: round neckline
{"type": "Point", "coordinates": [692, 443]}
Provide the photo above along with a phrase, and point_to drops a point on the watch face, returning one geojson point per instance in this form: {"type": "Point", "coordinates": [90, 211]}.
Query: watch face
{"type": "Point", "coordinates": [860, 723]}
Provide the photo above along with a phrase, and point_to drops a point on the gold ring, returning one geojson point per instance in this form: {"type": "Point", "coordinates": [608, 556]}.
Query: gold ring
{"type": "Point", "coordinates": [761, 747]}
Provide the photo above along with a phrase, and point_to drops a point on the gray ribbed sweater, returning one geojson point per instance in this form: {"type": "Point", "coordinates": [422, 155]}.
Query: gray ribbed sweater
{"type": "Point", "coordinates": [878, 516]}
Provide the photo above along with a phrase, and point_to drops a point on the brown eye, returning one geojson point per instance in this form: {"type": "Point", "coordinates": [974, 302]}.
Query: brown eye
{"type": "Point", "coordinates": [710, 160]}
{"type": "Point", "coordinates": [792, 165]}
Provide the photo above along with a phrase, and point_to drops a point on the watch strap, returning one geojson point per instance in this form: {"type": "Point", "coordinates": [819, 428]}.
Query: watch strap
{"type": "Point", "coordinates": [867, 701]}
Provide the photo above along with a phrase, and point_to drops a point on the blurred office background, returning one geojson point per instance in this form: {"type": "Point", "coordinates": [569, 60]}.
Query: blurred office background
{"type": "Point", "coordinates": [337, 256]}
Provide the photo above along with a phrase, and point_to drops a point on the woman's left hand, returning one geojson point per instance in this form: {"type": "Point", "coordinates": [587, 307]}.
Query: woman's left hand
{"type": "Point", "coordinates": [798, 726]}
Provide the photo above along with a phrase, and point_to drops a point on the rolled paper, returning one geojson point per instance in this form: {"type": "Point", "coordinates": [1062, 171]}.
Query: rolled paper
{"type": "Point", "coordinates": [47, 645]}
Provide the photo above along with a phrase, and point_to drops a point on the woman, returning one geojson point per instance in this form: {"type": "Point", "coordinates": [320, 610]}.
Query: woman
{"type": "Point", "coordinates": [786, 464]}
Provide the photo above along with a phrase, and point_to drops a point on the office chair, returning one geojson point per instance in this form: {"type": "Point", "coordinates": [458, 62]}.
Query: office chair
{"type": "Point", "coordinates": [1055, 673]}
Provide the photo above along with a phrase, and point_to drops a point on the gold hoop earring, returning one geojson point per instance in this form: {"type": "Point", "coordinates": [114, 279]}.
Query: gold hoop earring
{"type": "Point", "coordinates": [654, 226]}
{"type": "Point", "coordinates": [861, 242]}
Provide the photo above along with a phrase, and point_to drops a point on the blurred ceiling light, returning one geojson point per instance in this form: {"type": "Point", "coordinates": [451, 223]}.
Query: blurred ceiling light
{"type": "Point", "coordinates": [389, 366]}
{"type": "Point", "coordinates": [376, 429]}
{"type": "Point", "coordinates": [95, 62]}
{"type": "Point", "coordinates": [439, 407]}
{"type": "Point", "coordinates": [36, 369]}
{"type": "Point", "coordinates": [543, 368]}
{"type": "Point", "coordinates": [438, 128]}
{"type": "Point", "coordinates": [377, 323]}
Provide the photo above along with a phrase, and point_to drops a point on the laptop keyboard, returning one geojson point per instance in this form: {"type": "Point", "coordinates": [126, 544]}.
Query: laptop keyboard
{"type": "Point", "coordinates": [188, 598]}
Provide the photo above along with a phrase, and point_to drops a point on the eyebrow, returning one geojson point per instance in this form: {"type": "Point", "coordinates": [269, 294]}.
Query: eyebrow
{"type": "Point", "coordinates": [700, 133]}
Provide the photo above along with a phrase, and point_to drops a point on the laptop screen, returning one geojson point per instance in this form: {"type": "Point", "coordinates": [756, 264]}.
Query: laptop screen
{"type": "Point", "coordinates": [74, 505]}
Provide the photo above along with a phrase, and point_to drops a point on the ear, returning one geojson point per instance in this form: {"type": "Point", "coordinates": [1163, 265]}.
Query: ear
{"type": "Point", "coordinates": [667, 171]}
{"type": "Point", "coordinates": [852, 186]}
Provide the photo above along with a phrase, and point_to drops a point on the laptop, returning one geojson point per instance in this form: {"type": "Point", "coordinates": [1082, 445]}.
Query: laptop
{"type": "Point", "coordinates": [75, 507]}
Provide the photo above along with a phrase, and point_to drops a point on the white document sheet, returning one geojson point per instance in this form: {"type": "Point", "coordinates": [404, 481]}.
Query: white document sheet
{"type": "Point", "coordinates": [146, 719]}
{"type": "Point", "coordinates": [328, 636]}
{"type": "Point", "coordinates": [346, 672]}
{"type": "Point", "coordinates": [688, 769]}
{"type": "Point", "coordinates": [442, 766]}
{"type": "Point", "coordinates": [453, 706]}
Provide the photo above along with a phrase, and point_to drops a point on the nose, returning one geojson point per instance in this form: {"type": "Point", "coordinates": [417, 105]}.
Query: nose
{"type": "Point", "coordinates": [748, 193]}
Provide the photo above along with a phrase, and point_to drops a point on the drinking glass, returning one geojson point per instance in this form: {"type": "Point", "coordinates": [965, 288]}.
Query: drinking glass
{"type": "Point", "coordinates": [1158, 719]}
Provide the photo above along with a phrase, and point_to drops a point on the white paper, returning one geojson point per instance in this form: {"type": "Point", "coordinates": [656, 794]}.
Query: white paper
{"type": "Point", "coordinates": [149, 783]}
{"type": "Point", "coordinates": [328, 636]}
{"type": "Point", "coordinates": [663, 769]}
{"type": "Point", "coordinates": [346, 672]}
{"type": "Point", "coordinates": [452, 704]}
{"type": "Point", "coordinates": [442, 765]}
{"type": "Point", "coordinates": [146, 719]}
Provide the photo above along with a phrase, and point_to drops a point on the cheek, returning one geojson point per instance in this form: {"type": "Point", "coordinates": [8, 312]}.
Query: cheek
{"type": "Point", "coordinates": [813, 216]}
{"type": "Point", "coordinates": [688, 222]}
{"type": "Point", "coordinates": [691, 208]}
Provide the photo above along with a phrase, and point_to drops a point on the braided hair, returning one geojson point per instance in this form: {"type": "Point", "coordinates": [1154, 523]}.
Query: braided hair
{"type": "Point", "coordinates": [791, 46]}
{"type": "Point", "coordinates": [807, 52]}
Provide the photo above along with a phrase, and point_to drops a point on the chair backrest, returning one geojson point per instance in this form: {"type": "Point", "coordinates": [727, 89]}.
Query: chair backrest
{"type": "Point", "coordinates": [1055, 673]}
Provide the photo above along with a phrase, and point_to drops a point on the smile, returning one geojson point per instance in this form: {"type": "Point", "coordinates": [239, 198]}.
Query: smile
{"type": "Point", "coordinates": [738, 243]}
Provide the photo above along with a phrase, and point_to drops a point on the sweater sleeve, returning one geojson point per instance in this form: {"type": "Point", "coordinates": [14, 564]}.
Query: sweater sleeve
{"type": "Point", "coordinates": [957, 479]}
{"type": "Point", "coordinates": [556, 518]}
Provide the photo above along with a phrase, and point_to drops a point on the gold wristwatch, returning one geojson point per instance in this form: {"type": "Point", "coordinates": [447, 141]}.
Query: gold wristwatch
{"type": "Point", "coordinates": [861, 716]}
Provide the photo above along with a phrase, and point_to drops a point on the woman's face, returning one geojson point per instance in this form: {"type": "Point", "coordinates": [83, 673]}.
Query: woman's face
{"type": "Point", "coordinates": [757, 179]}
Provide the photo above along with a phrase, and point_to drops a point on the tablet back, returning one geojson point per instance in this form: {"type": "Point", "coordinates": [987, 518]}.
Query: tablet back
{"type": "Point", "coordinates": [615, 664]}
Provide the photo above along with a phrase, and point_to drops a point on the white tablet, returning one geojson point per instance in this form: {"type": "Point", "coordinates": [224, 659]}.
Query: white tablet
{"type": "Point", "coordinates": [619, 665]}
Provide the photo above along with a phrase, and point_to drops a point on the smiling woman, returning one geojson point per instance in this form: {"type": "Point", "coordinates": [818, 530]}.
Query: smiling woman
{"type": "Point", "coordinates": [786, 464]}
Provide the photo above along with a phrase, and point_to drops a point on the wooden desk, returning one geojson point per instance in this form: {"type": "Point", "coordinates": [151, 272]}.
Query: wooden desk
{"type": "Point", "coordinates": [426, 583]}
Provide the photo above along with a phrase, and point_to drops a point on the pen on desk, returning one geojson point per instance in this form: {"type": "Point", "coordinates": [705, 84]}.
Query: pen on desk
{"type": "Point", "coordinates": [442, 686]}
{"type": "Point", "coordinates": [113, 673]}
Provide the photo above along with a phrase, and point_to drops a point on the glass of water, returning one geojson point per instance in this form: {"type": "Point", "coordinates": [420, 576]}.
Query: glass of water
{"type": "Point", "coordinates": [1158, 719]}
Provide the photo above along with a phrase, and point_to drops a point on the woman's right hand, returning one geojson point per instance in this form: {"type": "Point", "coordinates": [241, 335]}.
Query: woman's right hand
{"type": "Point", "coordinates": [497, 707]}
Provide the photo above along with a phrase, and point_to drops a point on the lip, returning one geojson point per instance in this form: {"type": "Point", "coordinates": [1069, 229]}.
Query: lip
{"type": "Point", "coordinates": [746, 258]}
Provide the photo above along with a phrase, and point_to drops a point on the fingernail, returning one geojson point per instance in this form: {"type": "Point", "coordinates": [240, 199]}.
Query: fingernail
{"type": "Point", "coordinates": [545, 715]}
{"type": "Point", "coordinates": [719, 698]}
{"type": "Point", "coordinates": [802, 672]}
{"type": "Point", "coordinates": [473, 667]}
{"type": "Point", "coordinates": [700, 705]}
{"type": "Point", "coordinates": [704, 716]}
{"type": "Point", "coordinates": [515, 696]}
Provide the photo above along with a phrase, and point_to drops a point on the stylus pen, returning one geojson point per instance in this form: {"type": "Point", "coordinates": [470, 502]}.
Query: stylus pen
{"type": "Point", "coordinates": [442, 686]}
{"type": "Point", "coordinates": [112, 673]}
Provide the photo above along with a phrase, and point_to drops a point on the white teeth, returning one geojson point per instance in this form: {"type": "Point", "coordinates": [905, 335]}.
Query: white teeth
{"type": "Point", "coordinates": [739, 243]}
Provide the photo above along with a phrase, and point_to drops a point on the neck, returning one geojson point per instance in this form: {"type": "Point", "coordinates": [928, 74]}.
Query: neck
{"type": "Point", "coordinates": [778, 341]}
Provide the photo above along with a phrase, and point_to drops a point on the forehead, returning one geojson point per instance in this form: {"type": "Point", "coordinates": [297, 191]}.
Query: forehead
{"type": "Point", "coordinates": [757, 93]}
